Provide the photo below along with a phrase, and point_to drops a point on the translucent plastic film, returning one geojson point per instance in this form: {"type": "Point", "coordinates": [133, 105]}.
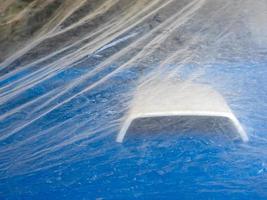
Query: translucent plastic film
{"type": "Point", "coordinates": [69, 74]}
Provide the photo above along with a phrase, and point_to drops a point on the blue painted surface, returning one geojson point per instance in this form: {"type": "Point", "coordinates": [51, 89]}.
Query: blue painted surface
{"type": "Point", "coordinates": [59, 120]}
{"type": "Point", "coordinates": [56, 156]}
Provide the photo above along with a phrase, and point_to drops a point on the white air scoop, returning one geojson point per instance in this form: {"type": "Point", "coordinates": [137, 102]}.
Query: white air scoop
{"type": "Point", "coordinates": [183, 99]}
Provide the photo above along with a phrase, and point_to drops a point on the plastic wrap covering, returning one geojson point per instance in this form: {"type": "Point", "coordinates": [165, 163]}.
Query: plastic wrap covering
{"type": "Point", "coordinates": [68, 77]}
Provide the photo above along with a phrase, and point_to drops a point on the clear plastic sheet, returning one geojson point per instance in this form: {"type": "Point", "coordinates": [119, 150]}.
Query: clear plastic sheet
{"type": "Point", "coordinates": [65, 93]}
